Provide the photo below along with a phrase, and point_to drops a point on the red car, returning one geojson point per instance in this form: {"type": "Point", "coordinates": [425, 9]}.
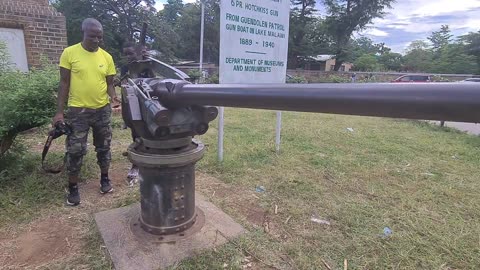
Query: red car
{"type": "Point", "coordinates": [413, 78]}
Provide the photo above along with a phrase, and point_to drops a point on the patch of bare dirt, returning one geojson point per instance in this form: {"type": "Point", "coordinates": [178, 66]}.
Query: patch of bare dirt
{"type": "Point", "coordinates": [59, 237]}
{"type": "Point", "coordinates": [242, 204]}
{"type": "Point", "coordinates": [42, 242]}
{"type": "Point", "coordinates": [90, 190]}
{"type": "Point", "coordinates": [242, 201]}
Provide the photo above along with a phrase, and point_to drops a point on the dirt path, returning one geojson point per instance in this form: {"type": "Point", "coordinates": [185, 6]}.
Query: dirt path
{"type": "Point", "coordinates": [59, 236]}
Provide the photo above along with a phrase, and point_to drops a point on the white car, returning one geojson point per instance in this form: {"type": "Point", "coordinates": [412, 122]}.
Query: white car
{"type": "Point", "coordinates": [472, 80]}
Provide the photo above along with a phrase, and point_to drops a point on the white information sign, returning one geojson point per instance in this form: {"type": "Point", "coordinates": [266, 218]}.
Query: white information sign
{"type": "Point", "coordinates": [254, 41]}
{"type": "Point", "coordinates": [253, 47]}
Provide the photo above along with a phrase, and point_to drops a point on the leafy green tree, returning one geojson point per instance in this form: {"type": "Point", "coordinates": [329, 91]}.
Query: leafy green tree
{"type": "Point", "coordinates": [440, 39]}
{"type": "Point", "coordinates": [75, 11]}
{"type": "Point", "coordinates": [318, 40]}
{"type": "Point", "coordinates": [471, 43]}
{"type": "Point", "coordinates": [391, 61]}
{"type": "Point", "coordinates": [188, 29]}
{"type": "Point", "coordinates": [172, 11]}
{"type": "Point", "coordinates": [301, 16]}
{"type": "Point", "coordinates": [163, 38]}
{"type": "Point", "coordinates": [121, 19]}
{"type": "Point", "coordinates": [444, 55]}
{"type": "Point", "coordinates": [347, 16]}
{"type": "Point", "coordinates": [453, 59]}
{"type": "Point", "coordinates": [361, 46]}
{"type": "Point", "coordinates": [367, 62]}
{"type": "Point", "coordinates": [419, 57]}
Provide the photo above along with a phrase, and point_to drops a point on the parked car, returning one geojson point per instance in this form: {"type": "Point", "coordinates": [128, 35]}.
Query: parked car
{"type": "Point", "coordinates": [413, 78]}
{"type": "Point", "coordinates": [470, 80]}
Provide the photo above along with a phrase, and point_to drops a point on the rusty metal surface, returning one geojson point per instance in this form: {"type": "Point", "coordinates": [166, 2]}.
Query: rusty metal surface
{"type": "Point", "coordinates": [429, 101]}
{"type": "Point", "coordinates": [142, 235]}
{"type": "Point", "coordinates": [143, 156]}
{"type": "Point", "coordinates": [167, 199]}
{"type": "Point", "coordinates": [167, 186]}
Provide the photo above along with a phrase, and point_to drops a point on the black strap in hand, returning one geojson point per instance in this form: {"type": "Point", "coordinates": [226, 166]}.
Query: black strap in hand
{"type": "Point", "coordinates": [51, 136]}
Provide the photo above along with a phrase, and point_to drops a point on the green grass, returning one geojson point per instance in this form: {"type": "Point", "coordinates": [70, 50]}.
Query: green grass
{"type": "Point", "coordinates": [419, 180]}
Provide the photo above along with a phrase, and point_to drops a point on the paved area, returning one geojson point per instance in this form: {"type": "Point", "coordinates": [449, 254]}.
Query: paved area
{"type": "Point", "coordinates": [470, 128]}
{"type": "Point", "coordinates": [132, 248]}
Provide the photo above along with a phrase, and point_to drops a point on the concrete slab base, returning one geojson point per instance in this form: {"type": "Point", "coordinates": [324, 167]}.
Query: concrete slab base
{"type": "Point", "coordinates": [132, 248]}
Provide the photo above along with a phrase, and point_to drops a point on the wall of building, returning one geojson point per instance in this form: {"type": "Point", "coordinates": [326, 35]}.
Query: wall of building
{"type": "Point", "coordinates": [43, 27]}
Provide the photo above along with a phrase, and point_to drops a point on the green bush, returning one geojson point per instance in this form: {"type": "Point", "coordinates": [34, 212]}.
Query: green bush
{"type": "Point", "coordinates": [212, 79]}
{"type": "Point", "coordinates": [4, 58]}
{"type": "Point", "coordinates": [28, 101]}
{"type": "Point", "coordinates": [195, 74]}
{"type": "Point", "coordinates": [339, 79]}
{"type": "Point", "coordinates": [331, 79]}
{"type": "Point", "coordinates": [297, 79]}
{"type": "Point", "coordinates": [438, 78]}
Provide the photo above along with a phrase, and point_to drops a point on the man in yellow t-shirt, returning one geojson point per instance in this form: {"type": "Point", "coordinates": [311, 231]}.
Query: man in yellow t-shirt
{"type": "Point", "coordinates": [86, 82]}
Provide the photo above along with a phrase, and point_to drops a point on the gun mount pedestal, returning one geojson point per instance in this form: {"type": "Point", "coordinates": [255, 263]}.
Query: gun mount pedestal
{"type": "Point", "coordinates": [167, 183]}
{"type": "Point", "coordinates": [171, 222]}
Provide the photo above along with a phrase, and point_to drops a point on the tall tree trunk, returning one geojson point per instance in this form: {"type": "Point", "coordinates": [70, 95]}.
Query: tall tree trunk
{"type": "Point", "coordinates": [338, 64]}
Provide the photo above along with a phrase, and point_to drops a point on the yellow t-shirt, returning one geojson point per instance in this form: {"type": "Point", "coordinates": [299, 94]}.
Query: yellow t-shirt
{"type": "Point", "coordinates": [88, 72]}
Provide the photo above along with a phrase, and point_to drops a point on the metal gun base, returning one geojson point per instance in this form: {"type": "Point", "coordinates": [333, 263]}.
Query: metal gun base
{"type": "Point", "coordinates": [143, 235]}
{"type": "Point", "coordinates": [167, 186]}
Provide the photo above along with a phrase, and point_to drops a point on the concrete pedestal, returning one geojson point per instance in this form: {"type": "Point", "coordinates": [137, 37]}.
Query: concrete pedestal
{"type": "Point", "coordinates": [132, 248]}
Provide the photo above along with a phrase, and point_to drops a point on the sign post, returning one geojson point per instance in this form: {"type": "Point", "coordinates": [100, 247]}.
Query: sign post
{"type": "Point", "coordinates": [253, 46]}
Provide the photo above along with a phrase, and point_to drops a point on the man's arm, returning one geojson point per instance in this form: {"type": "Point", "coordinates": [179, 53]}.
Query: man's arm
{"type": "Point", "coordinates": [111, 91]}
{"type": "Point", "coordinates": [62, 94]}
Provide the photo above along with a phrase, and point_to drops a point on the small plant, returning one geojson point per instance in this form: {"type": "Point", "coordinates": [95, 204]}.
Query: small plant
{"type": "Point", "coordinates": [339, 79]}
{"type": "Point", "coordinates": [194, 74]}
{"type": "Point", "coordinates": [438, 78]}
{"type": "Point", "coordinates": [213, 79]}
{"type": "Point", "coordinates": [5, 64]}
{"type": "Point", "coordinates": [297, 79]}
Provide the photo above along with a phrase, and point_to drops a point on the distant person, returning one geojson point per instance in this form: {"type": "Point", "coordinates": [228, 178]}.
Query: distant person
{"type": "Point", "coordinates": [354, 77]}
{"type": "Point", "coordinates": [86, 83]}
{"type": "Point", "coordinates": [133, 52]}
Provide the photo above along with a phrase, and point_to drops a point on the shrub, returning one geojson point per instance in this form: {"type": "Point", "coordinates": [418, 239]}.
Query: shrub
{"type": "Point", "coordinates": [28, 101]}
{"type": "Point", "coordinates": [212, 79]}
{"type": "Point", "coordinates": [4, 58]}
{"type": "Point", "coordinates": [194, 74]}
{"type": "Point", "coordinates": [297, 79]}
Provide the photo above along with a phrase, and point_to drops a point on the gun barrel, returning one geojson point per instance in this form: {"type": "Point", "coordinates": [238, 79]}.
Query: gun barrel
{"type": "Point", "coordinates": [429, 101]}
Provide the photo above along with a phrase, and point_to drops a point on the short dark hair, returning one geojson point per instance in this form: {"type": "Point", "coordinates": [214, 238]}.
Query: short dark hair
{"type": "Point", "coordinates": [89, 22]}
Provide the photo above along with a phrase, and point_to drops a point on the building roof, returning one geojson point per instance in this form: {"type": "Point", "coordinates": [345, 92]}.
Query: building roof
{"type": "Point", "coordinates": [323, 57]}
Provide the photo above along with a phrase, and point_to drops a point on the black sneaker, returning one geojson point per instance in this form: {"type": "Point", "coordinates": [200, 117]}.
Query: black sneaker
{"type": "Point", "coordinates": [105, 186]}
{"type": "Point", "coordinates": [73, 198]}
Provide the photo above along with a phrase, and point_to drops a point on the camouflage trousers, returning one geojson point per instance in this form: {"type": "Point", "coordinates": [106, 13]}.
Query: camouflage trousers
{"type": "Point", "coordinates": [80, 120]}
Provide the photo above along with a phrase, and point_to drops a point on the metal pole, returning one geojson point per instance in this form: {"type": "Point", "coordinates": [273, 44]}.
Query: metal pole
{"type": "Point", "coordinates": [220, 133]}
{"type": "Point", "coordinates": [278, 131]}
{"type": "Point", "coordinates": [202, 28]}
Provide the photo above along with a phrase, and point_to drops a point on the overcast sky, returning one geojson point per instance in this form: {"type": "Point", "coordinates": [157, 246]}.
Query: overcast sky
{"type": "Point", "coordinates": [410, 20]}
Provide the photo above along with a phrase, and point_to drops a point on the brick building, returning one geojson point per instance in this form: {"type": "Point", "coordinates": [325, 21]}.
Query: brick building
{"type": "Point", "coordinates": [32, 29]}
